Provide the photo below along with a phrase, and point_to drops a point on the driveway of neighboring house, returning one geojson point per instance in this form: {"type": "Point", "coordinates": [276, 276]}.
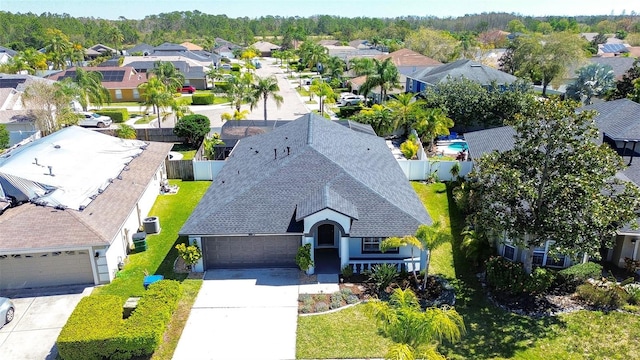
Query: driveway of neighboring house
{"type": "Point", "coordinates": [40, 315]}
{"type": "Point", "coordinates": [243, 314]}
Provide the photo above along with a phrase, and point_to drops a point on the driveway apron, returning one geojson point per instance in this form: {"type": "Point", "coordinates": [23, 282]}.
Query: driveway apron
{"type": "Point", "coordinates": [243, 314]}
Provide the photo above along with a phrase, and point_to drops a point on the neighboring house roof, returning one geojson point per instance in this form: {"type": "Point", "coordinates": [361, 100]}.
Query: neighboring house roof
{"type": "Point", "coordinates": [618, 119]}
{"type": "Point", "coordinates": [328, 42]}
{"type": "Point", "coordinates": [97, 224]}
{"type": "Point", "coordinates": [612, 48]}
{"type": "Point", "coordinates": [189, 70]}
{"type": "Point", "coordinates": [359, 44]}
{"type": "Point", "coordinates": [486, 141]}
{"type": "Point", "coordinates": [265, 46]}
{"type": "Point", "coordinates": [16, 116]}
{"type": "Point", "coordinates": [222, 42]}
{"type": "Point", "coordinates": [113, 77]}
{"type": "Point", "coordinates": [99, 48]}
{"type": "Point", "coordinates": [406, 57]}
{"type": "Point", "coordinates": [316, 164]}
{"type": "Point", "coordinates": [8, 51]}
{"type": "Point", "coordinates": [191, 46]}
{"type": "Point", "coordinates": [18, 81]}
{"type": "Point", "coordinates": [141, 48]}
{"type": "Point", "coordinates": [469, 69]}
{"type": "Point", "coordinates": [619, 64]}
{"type": "Point", "coordinates": [169, 47]}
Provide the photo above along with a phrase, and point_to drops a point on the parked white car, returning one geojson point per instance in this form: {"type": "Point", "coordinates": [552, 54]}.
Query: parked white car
{"type": "Point", "coordinates": [351, 99]}
{"type": "Point", "coordinates": [89, 119]}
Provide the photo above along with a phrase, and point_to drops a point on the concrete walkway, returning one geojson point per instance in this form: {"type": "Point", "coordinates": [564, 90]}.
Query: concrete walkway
{"type": "Point", "coordinates": [245, 314]}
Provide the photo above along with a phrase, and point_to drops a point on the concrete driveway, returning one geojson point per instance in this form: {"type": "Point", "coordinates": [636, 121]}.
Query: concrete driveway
{"type": "Point", "coordinates": [40, 315]}
{"type": "Point", "coordinates": [243, 314]}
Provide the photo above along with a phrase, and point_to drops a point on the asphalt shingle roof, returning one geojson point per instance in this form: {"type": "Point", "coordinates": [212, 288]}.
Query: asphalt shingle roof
{"type": "Point", "coordinates": [486, 141]}
{"type": "Point", "coordinates": [483, 74]}
{"type": "Point", "coordinates": [267, 176]}
{"type": "Point", "coordinates": [325, 198]}
{"type": "Point", "coordinates": [619, 119]}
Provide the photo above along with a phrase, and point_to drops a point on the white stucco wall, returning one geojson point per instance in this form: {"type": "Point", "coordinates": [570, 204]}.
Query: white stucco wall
{"type": "Point", "coordinates": [327, 214]}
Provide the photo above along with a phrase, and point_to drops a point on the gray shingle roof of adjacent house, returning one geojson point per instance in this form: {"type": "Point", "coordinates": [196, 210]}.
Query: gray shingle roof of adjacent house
{"type": "Point", "coordinates": [305, 166]}
{"type": "Point", "coordinates": [618, 118]}
{"type": "Point", "coordinates": [483, 74]}
{"type": "Point", "coordinates": [486, 141]}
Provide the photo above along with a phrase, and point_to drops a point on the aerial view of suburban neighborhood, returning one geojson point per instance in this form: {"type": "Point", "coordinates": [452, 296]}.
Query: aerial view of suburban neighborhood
{"type": "Point", "coordinates": [356, 181]}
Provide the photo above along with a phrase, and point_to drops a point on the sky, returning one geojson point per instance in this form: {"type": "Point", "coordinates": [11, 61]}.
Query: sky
{"type": "Point", "coordinates": [138, 9]}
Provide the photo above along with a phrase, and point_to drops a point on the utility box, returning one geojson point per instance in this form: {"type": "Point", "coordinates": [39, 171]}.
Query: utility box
{"type": "Point", "coordinates": [151, 225]}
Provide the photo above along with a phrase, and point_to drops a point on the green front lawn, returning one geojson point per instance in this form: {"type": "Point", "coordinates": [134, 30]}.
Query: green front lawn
{"type": "Point", "coordinates": [491, 332]}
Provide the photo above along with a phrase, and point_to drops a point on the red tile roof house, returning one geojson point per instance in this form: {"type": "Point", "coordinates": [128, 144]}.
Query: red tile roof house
{"type": "Point", "coordinates": [77, 197]}
{"type": "Point", "coordinates": [311, 181]}
{"type": "Point", "coordinates": [122, 82]}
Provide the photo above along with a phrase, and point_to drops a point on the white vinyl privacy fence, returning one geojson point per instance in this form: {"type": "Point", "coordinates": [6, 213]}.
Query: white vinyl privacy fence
{"type": "Point", "coordinates": [425, 169]}
{"type": "Point", "coordinates": [206, 169]}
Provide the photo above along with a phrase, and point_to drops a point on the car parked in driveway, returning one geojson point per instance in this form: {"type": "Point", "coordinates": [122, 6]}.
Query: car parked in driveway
{"type": "Point", "coordinates": [351, 99]}
{"type": "Point", "coordinates": [7, 311]}
{"type": "Point", "coordinates": [188, 89]}
{"type": "Point", "coordinates": [89, 119]}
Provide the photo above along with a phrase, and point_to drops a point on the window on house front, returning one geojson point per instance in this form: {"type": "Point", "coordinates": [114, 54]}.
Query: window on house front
{"type": "Point", "coordinates": [538, 258]}
{"type": "Point", "coordinates": [118, 94]}
{"type": "Point", "coordinates": [555, 262]}
{"type": "Point", "coordinates": [136, 94]}
{"type": "Point", "coordinates": [371, 245]}
{"type": "Point", "coordinates": [509, 252]}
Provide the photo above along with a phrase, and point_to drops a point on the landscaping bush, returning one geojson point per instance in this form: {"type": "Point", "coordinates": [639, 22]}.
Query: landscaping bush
{"type": "Point", "coordinates": [306, 308]}
{"type": "Point", "coordinates": [304, 297]}
{"type": "Point", "coordinates": [221, 87]}
{"type": "Point", "coordinates": [96, 329]}
{"type": "Point", "coordinates": [352, 299]}
{"type": "Point", "coordinates": [202, 99]}
{"type": "Point", "coordinates": [335, 304]}
{"type": "Point", "coordinates": [510, 278]}
{"type": "Point", "coordinates": [540, 281]}
{"type": "Point", "coordinates": [579, 273]}
{"type": "Point", "coordinates": [382, 275]}
{"type": "Point", "coordinates": [321, 306]}
{"type": "Point", "coordinates": [347, 271]}
{"type": "Point", "coordinates": [235, 67]}
{"type": "Point", "coordinates": [346, 292]}
{"type": "Point", "coordinates": [348, 111]}
{"type": "Point", "coordinates": [634, 293]}
{"type": "Point", "coordinates": [118, 115]}
{"type": "Point", "coordinates": [336, 297]}
{"type": "Point", "coordinates": [608, 296]}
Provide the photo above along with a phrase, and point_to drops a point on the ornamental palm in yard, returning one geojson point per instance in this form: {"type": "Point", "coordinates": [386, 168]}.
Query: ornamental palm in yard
{"type": "Point", "coordinates": [415, 333]}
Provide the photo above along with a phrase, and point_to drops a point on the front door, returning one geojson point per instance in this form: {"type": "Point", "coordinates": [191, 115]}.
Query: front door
{"type": "Point", "coordinates": [326, 236]}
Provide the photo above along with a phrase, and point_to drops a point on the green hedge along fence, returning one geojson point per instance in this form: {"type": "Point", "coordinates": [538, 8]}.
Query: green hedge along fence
{"type": "Point", "coordinates": [118, 115]}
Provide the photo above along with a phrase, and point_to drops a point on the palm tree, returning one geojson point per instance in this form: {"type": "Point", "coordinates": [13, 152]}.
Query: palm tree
{"type": "Point", "coordinates": [396, 242]}
{"type": "Point", "coordinates": [56, 48]}
{"type": "Point", "coordinates": [264, 88]}
{"type": "Point", "coordinates": [406, 110]}
{"type": "Point", "coordinates": [156, 96]}
{"type": "Point", "coordinates": [385, 75]}
{"type": "Point", "coordinates": [334, 67]}
{"type": "Point", "coordinates": [323, 91]}
{"type": "Point", "coordinates": [593, 80]}
{"type": "Point", "coordinates": [35, 59]}
{"type": "Point", "coordinates": [236, 115]}
{"type": "Point", "coordinates": [115, 35]}
{"type": "Point", "coordinates": [240, 90]}
{"type": "Point", "coordinates": [362, 66]}
{"type": "Point", "coordinates": [167, 73]}
{"type": "Point", "coordinates": [430, 237]}
{"type": "Point", "coordinates": [415, 333]}
{"type": "Point", "coordinates": [90, 89]}
{"type": "Point", "coordinates": [313, 54]}
{"type": "Point", "coordinates": [431, 123]}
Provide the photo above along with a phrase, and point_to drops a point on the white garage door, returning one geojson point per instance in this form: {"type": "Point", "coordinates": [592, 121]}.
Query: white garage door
{"type": "Point", "coordinates": [19, 271]}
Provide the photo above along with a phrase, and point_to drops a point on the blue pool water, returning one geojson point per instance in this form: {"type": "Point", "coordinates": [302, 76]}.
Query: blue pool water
{"type": "Point", "coordinates": [458, 146]}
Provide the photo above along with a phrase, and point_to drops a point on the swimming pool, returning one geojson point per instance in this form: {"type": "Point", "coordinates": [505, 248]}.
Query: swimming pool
{"type": "Point", "coordinates": [457, 146]}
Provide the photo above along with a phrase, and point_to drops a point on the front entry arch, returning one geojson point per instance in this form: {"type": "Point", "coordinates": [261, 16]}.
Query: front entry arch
{"type": "Point", "coordinates": [326, 236]}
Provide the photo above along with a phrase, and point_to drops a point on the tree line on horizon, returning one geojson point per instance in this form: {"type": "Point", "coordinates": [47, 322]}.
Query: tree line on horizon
{"type": "Point", "coordinates": [21, 31]}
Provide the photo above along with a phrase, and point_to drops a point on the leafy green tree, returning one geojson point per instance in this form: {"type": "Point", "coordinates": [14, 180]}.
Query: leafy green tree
{"type": "Point", "coordinates": [265, 88]}
{"type": "Point", "coordinates": [593, 80]}
{"type": "Point", "coordinates": [546, 59]}
{"type": "Point", "coordinates": [167, 73]}
{"type": "Point", "coordinates": [323, 91]}
{"type": "Point", "coordinates": [209, 145]}
{"type": "Point", "coordinates": [556, 184]}
{"type": "Point", "coordinates": [4, 137]}
{"type": "Point", "coordinates": [415, 333]}
{"type": "Point", "coordinates": [385, 75]}
{"type": "Point", "coordinates": [193, 128]}
{"type": "Point", "coordinates": [156, 96]}
{"type": "Point", "coordinates": [50, 106]}
{"type": "Point", "coordinates": [436, 44]}
{"type": "Point", "coordinates": [88, 88]}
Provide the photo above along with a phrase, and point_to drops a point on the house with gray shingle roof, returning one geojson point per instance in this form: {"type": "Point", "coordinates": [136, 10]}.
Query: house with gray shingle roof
{"type": "Point", "coordinates": [617, 122]}
{"type": "Point", "coordinates": [469, 69]}
{"type": "Point", "coordinates": [70, 204]}
{"type": "Point", "coordinates": [311, 181]}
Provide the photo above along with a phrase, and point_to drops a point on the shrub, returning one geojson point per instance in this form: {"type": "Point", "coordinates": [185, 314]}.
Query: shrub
{"type": "Point", "coordinates": [336, 296]}
{"type": "Point", "coordinates": [631, 265]}
{"type": "Point", "coordinates": [346, 292]}
{"type": "Point", "coordinates": [610, 295]}
{"type": "Point", "coordinates": [221, 87]}
{"type": "Point", "coordinates": [335, 304]}
{"type": "Point", "coordinates": [319, 297]}
{"type": "Point", "coordinates": [304, 297]}
{"type": "Point", "coordinates": [634, 293]}
{"type": "Point", "coordinates": [193, 128]}
{"type": "Point", "coordinates": [190, 254]}
{"type": "Point", "coordinates": [125, 131]}
{"type": "Point", "coordinates": [95, 329]}
{"type": "Point", "coordinates": [202, 99]}
{"type": "Point", "coordinates": [579, 273]}
{"type": "Point", "coordinates": [321, 306]}
{"type": "Point", "coordinates": [540, 281]}
{"type": "Point", "coordinates": [235, 67]}
{"type": "Point", "coordinates": [382, 275]}
{"type": "Point", "coordinates": [506, 276]}
{"type": "Point", "coordinates": [306, 308]}
{"type": "Point", "coordinates": [409, 149]}
{"type": "Point", "coordinates": [347, 271]}
{"type": "Point", "coordinates": [303, 257]}
{"type": "Point", "coordinates": [352, 299]}
{"type": "Point", "coordinates": [118, 115]}
{"type": "Point", "coordinates": [348, 111]}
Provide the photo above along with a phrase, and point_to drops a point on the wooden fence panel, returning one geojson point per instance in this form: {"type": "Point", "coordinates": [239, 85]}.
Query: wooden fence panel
{"type": "Point", "coordinates": [179, 169]}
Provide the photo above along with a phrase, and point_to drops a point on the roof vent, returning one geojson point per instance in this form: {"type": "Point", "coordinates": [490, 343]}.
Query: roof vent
{"type": "Point", "coordinates": [57, 146]}
{"type": "Point", "coordinates": [288, 150]}
{"type": "Point", "coordinates": [275, 154]}
{"type": "Point", "coordinates": [36, 161]}
{"type": "Point", "coordinates": [50, 170]}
